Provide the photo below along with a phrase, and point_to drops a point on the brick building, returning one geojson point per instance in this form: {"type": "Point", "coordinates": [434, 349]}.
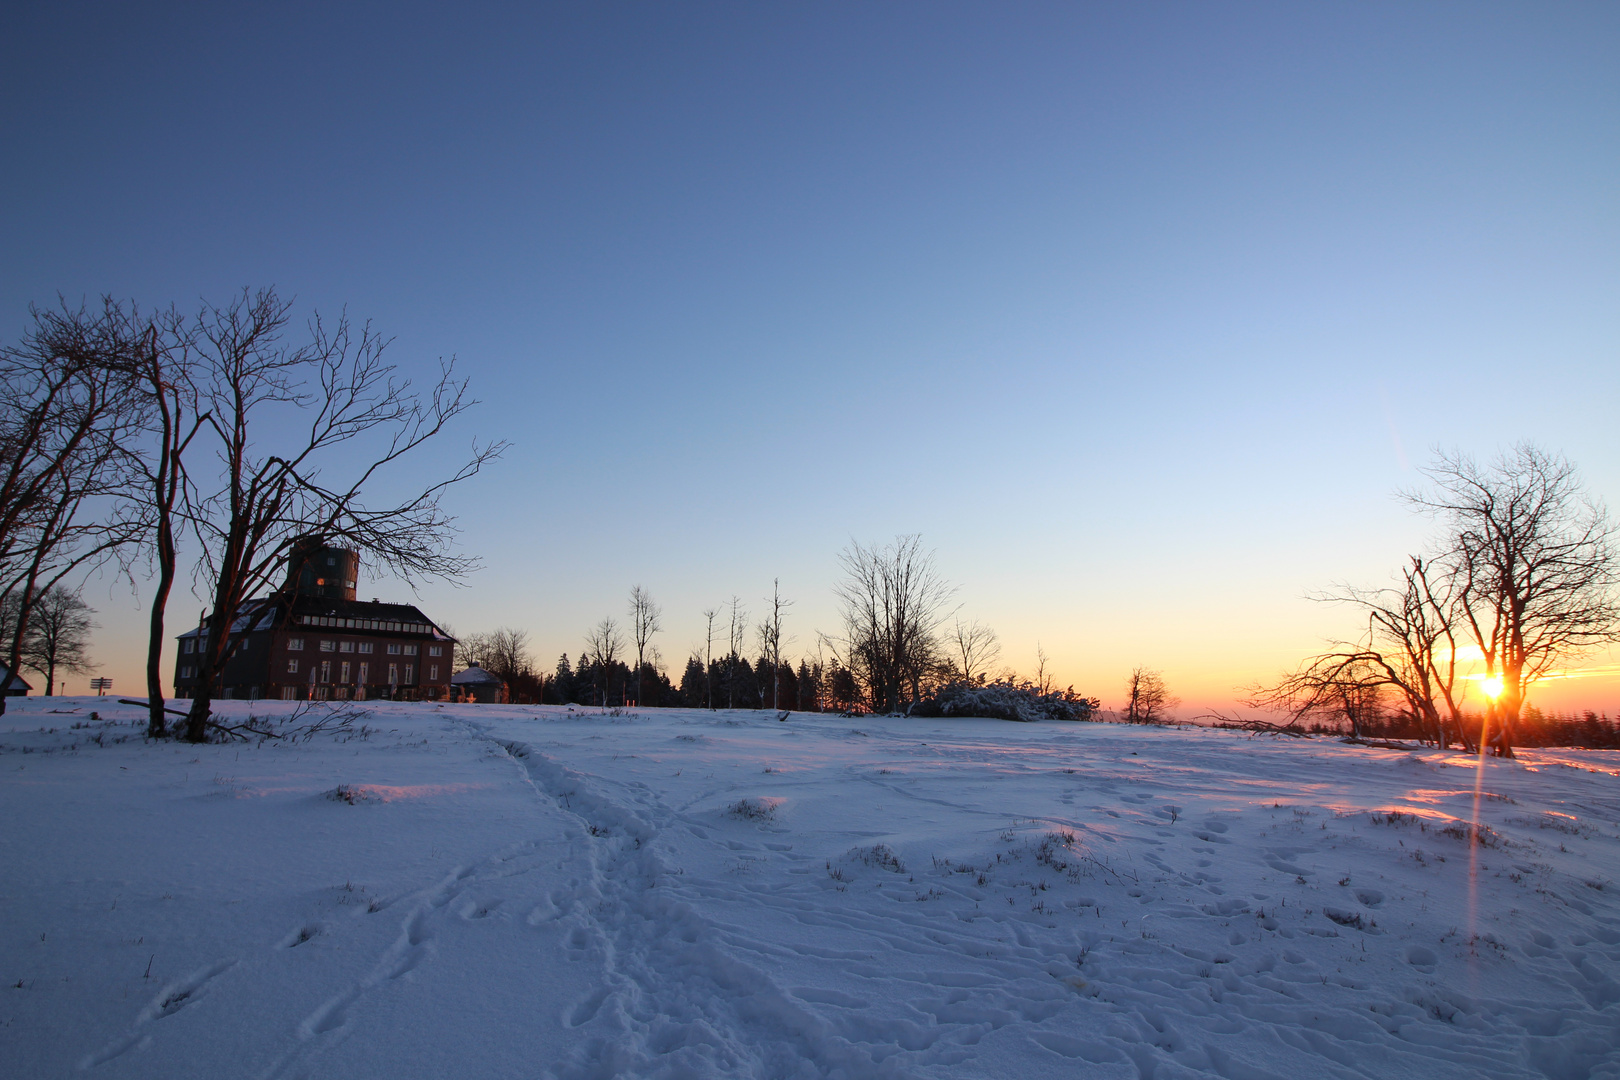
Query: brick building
{"type": "Point", "coordinates": [311, 639]}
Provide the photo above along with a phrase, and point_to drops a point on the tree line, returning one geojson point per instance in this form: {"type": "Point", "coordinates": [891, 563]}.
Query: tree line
{"type": "Point", "coordinates": [133, 438]}
{"type": "Point", "coordinates": [899, 648]}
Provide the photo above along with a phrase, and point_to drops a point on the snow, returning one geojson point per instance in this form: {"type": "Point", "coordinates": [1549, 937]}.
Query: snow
{"type": "Point", "coordinates": [492, 891]}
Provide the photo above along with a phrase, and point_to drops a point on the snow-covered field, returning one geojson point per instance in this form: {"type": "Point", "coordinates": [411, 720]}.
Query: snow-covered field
{"type": "Point", "coordinates": [534, 892]}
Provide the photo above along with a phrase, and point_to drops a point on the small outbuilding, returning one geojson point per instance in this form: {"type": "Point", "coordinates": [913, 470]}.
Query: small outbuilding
{"type": "Point", "coordinates": [14, 684]}
{"type": "Point", "coordinates": [475, 684]}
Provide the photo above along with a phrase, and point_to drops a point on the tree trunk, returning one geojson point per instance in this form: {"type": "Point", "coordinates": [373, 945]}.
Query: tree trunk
{"type": "Point", "coordinates": [156, 724]}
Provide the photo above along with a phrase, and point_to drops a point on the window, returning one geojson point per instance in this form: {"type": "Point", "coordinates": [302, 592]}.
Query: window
{"type": "Point", "coordinates": [343, 676]}
{"type": "Point", "coordinates": [433, 673]}
{"type": "Point", "coordinates": [245, 643]}
{"type": "Point", "coordinates": [331, 560]}
{"type": "Point", "coordinates": [435, 650]}
{"type": "Point", "coordinates": [326, 671]}
{"type": "Point", "coordinates": [393, 649]}
{"type": "Point", "coordinates": [295, 644]}
{"type": "Point", "coordinates": [365, 671]}
{"type": "Point", "coordinates": [188, 673]}
{"type": "Point", "coordinates": [292, 665]}
{"type": "Point", "coordinates": [393, 674]}
{"type": "Point", "coordinates": [189, 645]}
{"type": "Point", "coordinates": [365, 647]}
{"type": "Point", "coordinates": [328, 646]}
{"type": "Point", "coordinates": [410, 673]}
{"type": "Point", "coordinates": [289, 693]}
{"type": "Point", "coordinates": [345, 646]}
{"type": "Point", "coordinates": [410, 650]}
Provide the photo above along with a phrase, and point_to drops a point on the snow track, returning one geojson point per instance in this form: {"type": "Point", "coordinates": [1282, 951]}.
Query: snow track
{"type": "Point", "coordinates": [1180, 931]}
{"type": "Point", "coordinates": [520, 892]}
{"type": "Point", "coordinates": [670, 1001]}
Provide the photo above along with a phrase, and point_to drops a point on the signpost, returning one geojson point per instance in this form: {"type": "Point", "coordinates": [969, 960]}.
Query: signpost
{"type": "Point", "coordinates": [101, 686]}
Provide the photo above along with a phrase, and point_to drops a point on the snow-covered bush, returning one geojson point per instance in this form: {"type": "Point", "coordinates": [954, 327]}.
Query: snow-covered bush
{"type": "Point", "coordinates": [754, 809]}
{"type": "Point", "coordinates": [879, 855]}
{"type": "Point", "coordinates": [1006, 700]}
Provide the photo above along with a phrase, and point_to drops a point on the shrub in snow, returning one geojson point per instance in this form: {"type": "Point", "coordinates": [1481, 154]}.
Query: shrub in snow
{"type": "Point", "coordinates": [347, 793]}
{"type": "Point", "coordinates": [754, 809]}
{"type": "Point", "coordinates": [1006, 700]}
{"type": "Point", "coordinates": [879, 855]}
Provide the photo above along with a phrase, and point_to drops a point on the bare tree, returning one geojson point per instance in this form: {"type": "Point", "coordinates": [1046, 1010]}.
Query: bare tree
{"type": "Point", "coordinates": [770, 639]}
{"type": "Point", "coordinates": [1411, 642]}
{"type": "Point", "coordinates": [709, 615]}
{"type": "Point", "coordinates": [470, 649]}
{"type": "Point", "coordinates": [1043, 681]}
{"type": "Point", "coordinates": [1408, 647]}
{"type": "Point", "coordinates": [646, 619]}
{"type": "Point", "coordinates": [162, 366]}
{"type": "Point", "coordinates": [602, 646]}
{"type": "Point", "coordinates": [974, 647]}
{"type": "Point", "coordinates": [1147, 700]}
{"type": "Point", "coordinates": [58, 636]}
{"type": "Point", "coordinates": [1535, 563]}
{"type": "Point", "coordinates": [738, 632]}
{"type": "Point", "coordinates": [66, 422]}
{"type": "Point", "coordinates": [1347, 687]}
{"type": "Point", "coordinates": [503, 652]}
{"type": "Point", "coordinates": [344, 398]}
{"type": "Point", "coordinates": [892, 600]}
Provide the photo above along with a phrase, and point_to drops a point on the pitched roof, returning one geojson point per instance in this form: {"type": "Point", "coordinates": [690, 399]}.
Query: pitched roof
{"type": "Point", "coordinates": [355, 616]}
{"type": "Point", "coordinates": [476, 676]}
{"type": "Point", "coordinates": [15, 682]}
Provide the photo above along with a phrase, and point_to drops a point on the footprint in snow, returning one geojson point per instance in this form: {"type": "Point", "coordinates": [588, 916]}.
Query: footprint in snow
{"type": "Point", "coordinates": [168, 1001]}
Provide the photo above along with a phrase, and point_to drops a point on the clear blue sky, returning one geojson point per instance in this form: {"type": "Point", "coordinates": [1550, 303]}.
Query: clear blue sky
{"type": "Point", "coordinates": [1138, 313]}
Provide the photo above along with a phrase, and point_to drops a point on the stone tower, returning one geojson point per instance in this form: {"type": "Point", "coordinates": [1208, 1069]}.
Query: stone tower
{"type": "Point", "coordinates": [315, 568]}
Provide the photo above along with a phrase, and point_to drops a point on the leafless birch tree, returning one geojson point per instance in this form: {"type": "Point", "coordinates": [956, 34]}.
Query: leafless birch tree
{"type": "Point", "coordinates": [736, 636]}
{"type": "Point", "coordinates": [646, 619]}
{"type": "Point", "coordinates": [770, 639]}
{"type": "Point", "coordinates": [709, 615]}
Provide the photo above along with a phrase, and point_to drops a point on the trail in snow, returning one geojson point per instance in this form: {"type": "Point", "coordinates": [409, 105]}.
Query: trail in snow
{"type": "Point", "coordinates": [550, 893]}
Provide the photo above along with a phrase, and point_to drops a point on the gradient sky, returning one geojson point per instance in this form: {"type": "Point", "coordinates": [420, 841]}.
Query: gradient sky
{"type": "Point", "coordinates": [1139, 314]}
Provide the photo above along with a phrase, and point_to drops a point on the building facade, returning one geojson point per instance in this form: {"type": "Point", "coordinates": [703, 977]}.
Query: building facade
{"type": "Point", "coordinates": [313, 640]}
